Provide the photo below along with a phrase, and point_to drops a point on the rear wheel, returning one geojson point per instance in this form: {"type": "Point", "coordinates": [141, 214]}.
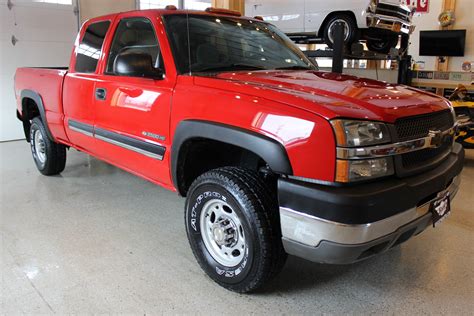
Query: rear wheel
{"type": "Point", "coordinates": [49, 157]}
{"type": "Point", "coordinates": [233, 228]}
{"type": "Point", "coordinates": [383, 45]}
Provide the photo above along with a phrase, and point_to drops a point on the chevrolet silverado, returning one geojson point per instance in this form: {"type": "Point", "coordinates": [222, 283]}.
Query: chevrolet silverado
{"type": "Point", "coordinates": [273, 156]}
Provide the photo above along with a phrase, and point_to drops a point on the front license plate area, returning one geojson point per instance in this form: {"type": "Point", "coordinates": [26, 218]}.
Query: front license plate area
{"type": "Point", "coordinates": [440, 208]}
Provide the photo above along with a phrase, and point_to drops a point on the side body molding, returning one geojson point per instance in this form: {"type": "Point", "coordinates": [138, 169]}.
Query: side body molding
{"type": "Point", "coordinates": [30, 94]}
{"type": "Point", "coordinates": [267, 148]}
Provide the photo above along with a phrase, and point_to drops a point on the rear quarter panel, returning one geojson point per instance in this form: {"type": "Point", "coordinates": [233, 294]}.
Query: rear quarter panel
{"type": "Point", "coordinates": [47, 83]}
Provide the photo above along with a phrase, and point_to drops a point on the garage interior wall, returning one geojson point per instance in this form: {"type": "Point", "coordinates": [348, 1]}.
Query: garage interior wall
{"type": "Point", "coordinates": [92, 8]}
{"type": "Point", "coordinates": [236, 5]}
{"type": "Point", "coordinates": [464, 14]}
{"type": "Point", "coordinates": [45, 32]}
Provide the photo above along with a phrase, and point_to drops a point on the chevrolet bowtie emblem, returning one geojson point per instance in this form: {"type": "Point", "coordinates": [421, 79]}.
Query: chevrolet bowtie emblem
{"type": "Point", "coordinates": [436, 138]}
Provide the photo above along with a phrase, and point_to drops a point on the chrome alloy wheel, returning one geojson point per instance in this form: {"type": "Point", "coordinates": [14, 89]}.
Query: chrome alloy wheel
{"type": "Point", "coordinates": [40, 147]}
{"type": "Point", "coordinates": [331, 30]}
{"type": "Point", "coordinates": [222, 233]}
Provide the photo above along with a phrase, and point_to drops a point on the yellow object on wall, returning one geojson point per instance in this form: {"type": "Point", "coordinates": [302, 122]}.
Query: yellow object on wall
{"type": "Point", "coordinates": [236, 5]}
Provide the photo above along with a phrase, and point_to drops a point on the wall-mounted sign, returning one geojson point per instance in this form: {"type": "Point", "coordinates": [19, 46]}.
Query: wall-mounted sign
{"type": "Point", "coordinates": [445, 76]}
{"type": "Point", "coordinates": [421, 6]}
{"type": "Point", "coordinates": [439, 75]}
{"type": "Point", "coordinates": [425, 74]}
{"type": "Point", "coordinates": [419, 65]}
{"type": "Point", "coordinates": [468, 65]}
{"type": "Point", "coordinates": [446, 18]}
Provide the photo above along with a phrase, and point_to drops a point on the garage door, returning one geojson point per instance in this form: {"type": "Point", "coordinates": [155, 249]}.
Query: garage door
{"type": "Point", "coordinates": [45, 30]}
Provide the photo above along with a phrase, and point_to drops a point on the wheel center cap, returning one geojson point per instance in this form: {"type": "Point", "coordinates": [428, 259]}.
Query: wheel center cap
{"type": "Point", "coordinates": [219, 235]}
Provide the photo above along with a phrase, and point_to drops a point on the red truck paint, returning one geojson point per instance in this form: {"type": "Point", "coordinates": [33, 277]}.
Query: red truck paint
{"type": "Point", "coordinates": [300, 103]}
{"type": "Point", "coordinates": [254, 152]}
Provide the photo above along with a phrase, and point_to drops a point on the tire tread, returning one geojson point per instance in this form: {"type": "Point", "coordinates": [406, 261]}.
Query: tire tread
{"type": "Point", "coordinates": [249, 186]}
{"type": "Point", "coordinates": [56, 153]}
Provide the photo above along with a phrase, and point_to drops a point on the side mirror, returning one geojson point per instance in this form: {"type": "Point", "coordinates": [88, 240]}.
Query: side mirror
{"type": "Point", "coordinates": [136, 65]}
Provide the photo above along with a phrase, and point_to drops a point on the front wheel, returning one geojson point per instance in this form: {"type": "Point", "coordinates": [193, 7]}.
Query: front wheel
{"type": "Point", "coordinates": [232, 225]}
{"type": "Point", "coordinates": [49, 157]}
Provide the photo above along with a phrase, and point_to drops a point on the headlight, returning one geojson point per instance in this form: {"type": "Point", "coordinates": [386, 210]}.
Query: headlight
{"type": "Point", "coordinates": [358, 170]}
{"type": "Point", "coordinates": [351, 133]}
{"type": "Point", "coordinates": [373, 5]}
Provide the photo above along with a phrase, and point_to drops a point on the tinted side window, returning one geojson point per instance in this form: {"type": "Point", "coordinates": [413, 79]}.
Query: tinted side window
{"type": "Point", "coordinates": [135, 35]}
{"type": "Point", "coordinates": [90, 47]}
{"type": "Point", "coordinates": [177, 30]}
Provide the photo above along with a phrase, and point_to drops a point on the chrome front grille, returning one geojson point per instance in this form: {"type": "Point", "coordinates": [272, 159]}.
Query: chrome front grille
{"type": "Point", "coordinates": [413, 127]}
{"type": "Point", "coordinates": [426, 156]}
{"type": "Point", "coordinates": [393, 10]}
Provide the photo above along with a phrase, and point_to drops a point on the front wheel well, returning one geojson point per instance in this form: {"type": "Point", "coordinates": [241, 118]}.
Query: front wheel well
{"type": "Point", "coordinates": [199, 155]}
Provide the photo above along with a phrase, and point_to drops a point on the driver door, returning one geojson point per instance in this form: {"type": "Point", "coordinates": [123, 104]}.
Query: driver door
{"type": "Point", "coordinates": [132, 113]}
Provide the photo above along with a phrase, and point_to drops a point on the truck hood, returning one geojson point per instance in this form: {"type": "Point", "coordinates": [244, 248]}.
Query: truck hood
{"type": "Point", "coordinates": [333, 95]}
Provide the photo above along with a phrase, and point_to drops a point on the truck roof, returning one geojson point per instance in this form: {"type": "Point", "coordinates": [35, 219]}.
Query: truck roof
{"type": "Point", "coordinates": [168, 11]}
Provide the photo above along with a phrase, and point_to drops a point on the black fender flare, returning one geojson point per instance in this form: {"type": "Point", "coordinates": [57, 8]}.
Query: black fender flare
{"type": "Point", "coordinates": [36, 97]}
{"type": "Point", "coordinates": [270, 150]}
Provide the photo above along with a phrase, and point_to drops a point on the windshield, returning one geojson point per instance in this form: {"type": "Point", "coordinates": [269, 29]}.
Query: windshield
{"type": "Point", "coordinates": [218, 43]}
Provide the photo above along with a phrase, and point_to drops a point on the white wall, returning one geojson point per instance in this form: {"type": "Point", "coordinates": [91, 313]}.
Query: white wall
{"type": "Point", "coordinates": [93, 8]}
{"type": "Point", "coordinates": [45, 34]}
{"type": "Point", "coordinates": [464, 20]}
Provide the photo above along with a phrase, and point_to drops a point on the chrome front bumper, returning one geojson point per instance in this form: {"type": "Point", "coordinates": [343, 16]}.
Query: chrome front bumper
{"type": "Point", "coordinates": [389, 23]}
{"type": "Point", "coordinates": [326, 241]}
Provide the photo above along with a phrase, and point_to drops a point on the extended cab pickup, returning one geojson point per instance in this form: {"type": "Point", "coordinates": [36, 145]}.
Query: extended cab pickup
{"type": "Point", "coordinates": [273, 156]}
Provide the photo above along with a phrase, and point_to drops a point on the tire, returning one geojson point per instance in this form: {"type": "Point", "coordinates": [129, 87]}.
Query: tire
{"type": "Point", "coordinates": [382, 46]}
{"type": "Point", "coordinates": [49, 157]}
{"type": "Point", "coordinates": [350, 29]}
{"type": "Point", "coordinates": [238, 202]}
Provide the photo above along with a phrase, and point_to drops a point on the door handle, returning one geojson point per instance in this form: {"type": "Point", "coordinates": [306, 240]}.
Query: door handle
{"type": "Point", "coordinates": [100, 93]}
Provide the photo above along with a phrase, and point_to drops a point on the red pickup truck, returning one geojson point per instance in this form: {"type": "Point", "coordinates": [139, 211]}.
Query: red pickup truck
{"type": "Point", "coordinates": [273, 156]}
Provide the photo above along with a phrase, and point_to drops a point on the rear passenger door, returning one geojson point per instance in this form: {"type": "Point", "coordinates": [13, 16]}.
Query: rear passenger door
{"type": "Point", "coordinates": [78, 89]}
{"type": "Point", "coordinates": [132, 113]}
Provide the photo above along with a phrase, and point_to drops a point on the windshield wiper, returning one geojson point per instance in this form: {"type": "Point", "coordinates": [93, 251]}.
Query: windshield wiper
{"type": "Point", "coordinates": [294, 68]}
{"type": "Point", "coordinates": [230, 67]}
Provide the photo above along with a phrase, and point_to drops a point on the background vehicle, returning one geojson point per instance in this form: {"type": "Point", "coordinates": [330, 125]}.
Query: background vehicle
{"type": "Point", "coordinates": [464, 107]}
{"type": "Point", "coordinates": [377, 22]}
{"type": "Point", "coordinates": [273, 156]}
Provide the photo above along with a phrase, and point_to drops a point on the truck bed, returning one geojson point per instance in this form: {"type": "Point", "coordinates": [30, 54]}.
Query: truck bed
{"type": "Point", "coordinates": [46, 82]}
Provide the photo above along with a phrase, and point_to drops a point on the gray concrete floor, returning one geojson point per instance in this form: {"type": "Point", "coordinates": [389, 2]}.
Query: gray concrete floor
{"type": "Point", "coordinates": [99, 240]}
